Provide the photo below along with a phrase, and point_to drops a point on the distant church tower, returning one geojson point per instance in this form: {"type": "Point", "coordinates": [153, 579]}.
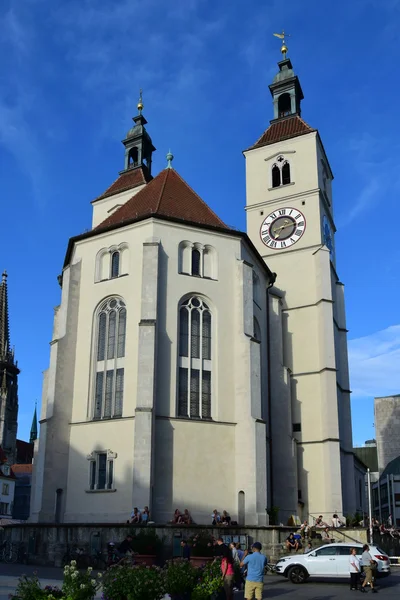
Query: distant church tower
{"type": "Point", "coordinates": [8, 380]}
{"type": "Point", "coordinates": [291, 222]}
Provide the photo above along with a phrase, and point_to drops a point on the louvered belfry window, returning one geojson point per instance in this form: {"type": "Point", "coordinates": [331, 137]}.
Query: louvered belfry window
{"type": "Point", "coordinates": [194, 386]}
{"type": "Point", "coordinates": [110, 359]}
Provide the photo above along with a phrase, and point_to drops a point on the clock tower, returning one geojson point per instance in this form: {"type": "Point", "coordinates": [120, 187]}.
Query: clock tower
{"type": "Point", "coordinates": [290, 220]}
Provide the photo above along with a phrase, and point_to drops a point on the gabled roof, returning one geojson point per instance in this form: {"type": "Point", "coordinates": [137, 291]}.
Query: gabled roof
{"type": "Point", "coordinates": [126, 181]}
{"type": "Point", "coordinates": [167, 195]}
{"type": "Point", "coordinates": [283, 129]}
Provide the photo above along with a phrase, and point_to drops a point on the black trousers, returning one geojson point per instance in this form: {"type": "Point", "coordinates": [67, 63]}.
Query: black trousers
{"type": "Point", "coordinates": [354, 580]}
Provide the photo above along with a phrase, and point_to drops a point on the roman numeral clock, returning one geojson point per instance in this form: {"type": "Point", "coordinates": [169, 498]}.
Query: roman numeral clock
{"type": "Point", "coordinates": [283, 228]}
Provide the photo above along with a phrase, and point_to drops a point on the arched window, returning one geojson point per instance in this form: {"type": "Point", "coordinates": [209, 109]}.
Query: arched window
{"type": "Point", "coordinates": [285, 173]}
{"type": "Point", "coordinates": [133, 157]}
{"type": "Point", "coordinates": [195, 337]}
{"type": "Point", "coordinates": [284, 105]}
{"type": "Point", "coordinates": [196, 261]}
{"type": "Point", "coordinates": [110, 355]}
{"type": "Point", "coordinates": [115, 264]}
{"type": "Point", "coordinates": [276, 176]}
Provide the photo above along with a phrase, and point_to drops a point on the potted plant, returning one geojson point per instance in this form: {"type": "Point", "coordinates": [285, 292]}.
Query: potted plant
{"type": "Point", "coordinates": [133, 583]}
{"type": "Point", "coordinates": [202, 548]}
{"type": "Point", "coordinates": [147, 545]}
{"type": "Point", "coordinates": [180, 578]}
{"type": "Point", "coordinates": [210, 585]}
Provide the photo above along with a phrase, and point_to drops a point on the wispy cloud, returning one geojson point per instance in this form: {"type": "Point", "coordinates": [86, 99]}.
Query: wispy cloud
{"type": "Point", "coordinates": [376, 171]}
{"type": "Point", "coordinates": [375, 363]}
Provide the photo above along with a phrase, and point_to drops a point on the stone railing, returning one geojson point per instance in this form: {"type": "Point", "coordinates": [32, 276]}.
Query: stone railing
{"type": "Point", "coordinates": [47, 543]}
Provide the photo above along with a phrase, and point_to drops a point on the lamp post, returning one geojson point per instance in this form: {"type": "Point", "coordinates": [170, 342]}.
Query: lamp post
{"type": "Point", "coordinates": [369, 505]}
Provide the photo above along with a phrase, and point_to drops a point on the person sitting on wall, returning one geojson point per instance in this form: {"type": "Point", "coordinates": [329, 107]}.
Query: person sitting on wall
{"type": "Point", "coordinates": [136, 517]}
{"type": "Point", "coordinates": [327, 538]}
{"type": "Point", "coordinates": [216, 517]}
{"type": "Point", "coordinates": [177, 518]}
{"type": "Point", "coordinates": [186, 517]}
{"type": "Point", "coordinates": [145, 515]}
{"type": "Point", "coordinates": [320, 523]}
{"type": "Point", "coordinates": [225, 518]}
{"type": "Point", "coordinates": [304, 529]}
{"type": "Point", "coordinates": [336, 522]}
{"type": "Point", "coordinates": [292, 543]}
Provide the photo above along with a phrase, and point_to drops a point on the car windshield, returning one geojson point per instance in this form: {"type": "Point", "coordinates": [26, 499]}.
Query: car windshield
{"type": "Point", "coordinates": [380, 551]}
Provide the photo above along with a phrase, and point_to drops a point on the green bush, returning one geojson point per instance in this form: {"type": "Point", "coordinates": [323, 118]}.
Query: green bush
{"type": "Point", "coordinates": [133, 583]}
{"type": "Point", "coordinates": [147, 542]}
{"type": "Point", "coordinates": [211, 582]}
{"type": "Point", "coordinates": [180, 576]}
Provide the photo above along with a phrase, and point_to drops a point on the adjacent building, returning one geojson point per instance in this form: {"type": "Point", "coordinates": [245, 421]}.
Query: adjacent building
{"type": "Point", "coordinates": [196, 366]}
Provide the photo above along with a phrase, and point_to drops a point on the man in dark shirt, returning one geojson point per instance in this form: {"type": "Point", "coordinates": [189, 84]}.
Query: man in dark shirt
{"type": "Point", "coordinates": [125, 546]}
{"type": "Point", "coordinates": [185, 549]}
{"type": "Point", "coordinates": [220, 547]}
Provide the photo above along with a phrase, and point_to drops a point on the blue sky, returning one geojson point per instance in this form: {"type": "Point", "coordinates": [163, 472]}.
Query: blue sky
{"type": "Point", "coordinates": [69, 79]}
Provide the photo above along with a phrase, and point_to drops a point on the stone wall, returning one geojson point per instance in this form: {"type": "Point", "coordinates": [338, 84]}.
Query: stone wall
{"type": "Point", "coordinates": [387, 423]}
{"type": "Point", "coordinates": [47, 544]}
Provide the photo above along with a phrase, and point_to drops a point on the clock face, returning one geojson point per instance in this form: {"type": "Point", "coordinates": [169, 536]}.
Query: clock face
{"type": "Point", "coordinates": [327, 235]}
{"type": "Point", "coordinates": [283, 228]}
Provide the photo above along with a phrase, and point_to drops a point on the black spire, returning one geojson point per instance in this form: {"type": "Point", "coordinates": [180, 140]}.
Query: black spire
{"type": "Point", "coordinates": [138, 145]}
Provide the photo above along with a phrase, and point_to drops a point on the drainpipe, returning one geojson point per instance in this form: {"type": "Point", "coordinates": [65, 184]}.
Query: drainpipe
{"type": "Point", "coordinates": [393, 503]}
{"type": "Point", "coordinates": [271, 479]}
{"type": "Point", "coordinates": [388, 491]}
{"type": "Point", "coordinates": [369, 507]}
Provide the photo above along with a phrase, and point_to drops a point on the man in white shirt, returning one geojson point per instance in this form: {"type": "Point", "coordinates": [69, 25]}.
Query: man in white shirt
{"type": "Point", "coordinates": [355, 569]}
{"type": "Point", "coordinates": [368, 565]}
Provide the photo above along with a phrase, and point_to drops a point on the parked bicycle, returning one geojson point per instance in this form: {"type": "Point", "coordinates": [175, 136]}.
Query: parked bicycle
{"type": "Point", "coordinates": [7, 553]}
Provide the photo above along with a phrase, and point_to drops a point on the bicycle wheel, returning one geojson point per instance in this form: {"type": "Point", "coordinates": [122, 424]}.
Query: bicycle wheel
{"type": "Point", "coordinates": [10, 556]}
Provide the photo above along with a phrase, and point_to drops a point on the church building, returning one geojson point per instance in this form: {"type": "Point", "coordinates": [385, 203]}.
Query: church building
{"type": "Point", "coordinates": [196, 366]}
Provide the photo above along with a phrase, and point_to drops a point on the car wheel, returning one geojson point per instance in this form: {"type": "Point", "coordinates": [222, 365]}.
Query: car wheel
{"type": "Point", "coordinates": [297, 574]}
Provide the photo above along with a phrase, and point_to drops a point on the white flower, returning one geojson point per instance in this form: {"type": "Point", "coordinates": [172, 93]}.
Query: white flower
{"type": "Point", "coordinates": [75, 575]}
{"type": "Point", "coordinates": [82, 586]}
{"type": "Point", "coordinates": [99, 575]}
{"type": "Point", "coordinates": [73, 563]}
{"type": "Point", "coordinates": [89, 569]}
{"type": "Point", "coordinates": [93, 581]}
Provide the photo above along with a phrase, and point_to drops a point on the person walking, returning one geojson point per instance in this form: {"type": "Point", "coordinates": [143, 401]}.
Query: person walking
{"type": "Point", "coordinates": [355, 569]}
{"type": "Point", "coordinates": [228, 572]}
{"type": "Point", "coordinates": [255, 573]}
{"type": "Point", "coordinates": [368, 565]}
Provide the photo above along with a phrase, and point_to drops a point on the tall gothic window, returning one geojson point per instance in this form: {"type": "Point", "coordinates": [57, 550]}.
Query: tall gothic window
{"type": "Point", "coordinates": [194, 387]}
{"type": "Point", "coordinates": [276, 176]}
{"type": "Point", "coordinates": [280, 172]}
{"type": "Point", "coordinates": [115, 264]}
{"type": "Point", "coordinates": [110, 359]}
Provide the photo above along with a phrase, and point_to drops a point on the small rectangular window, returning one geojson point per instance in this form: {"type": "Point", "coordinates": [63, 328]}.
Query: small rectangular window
{"type": "Point", "coordinates": [6, 489]}
{"type": "Point", "coordinates": [92, 474]}
{"type": "Point", "coordinates": [296, 427]}
{"type": "Point", "coordinates": [102, 471]}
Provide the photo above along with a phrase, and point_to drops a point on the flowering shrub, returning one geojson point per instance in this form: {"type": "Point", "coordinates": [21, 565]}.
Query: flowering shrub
{"type": "Point", "coordinates": [210, 583]}
{"type": "Point", "coordinates": [180, 576]}
{"type": "Point", "coordinates": [76, 586]}
{"type": "Point", "coordinates": [79, 585]}
{"type": "Point", "coordinates": [133, 583]}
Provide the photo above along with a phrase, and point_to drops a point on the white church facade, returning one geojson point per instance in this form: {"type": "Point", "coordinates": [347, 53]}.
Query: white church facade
{"type": "Point", "coordinates": [195, 366]}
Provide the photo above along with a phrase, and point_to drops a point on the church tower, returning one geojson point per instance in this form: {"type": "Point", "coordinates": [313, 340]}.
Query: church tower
{"type": "Point", "coordinates": [8, 380]}
{"type": "Point", "coordinates": [290, 220]}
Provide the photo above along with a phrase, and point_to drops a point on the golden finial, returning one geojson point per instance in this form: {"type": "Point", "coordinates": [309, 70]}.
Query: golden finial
{"type": "Point", "coordinates": [140, 103]}
{"type": "Point", "coordinates": [282, 36]}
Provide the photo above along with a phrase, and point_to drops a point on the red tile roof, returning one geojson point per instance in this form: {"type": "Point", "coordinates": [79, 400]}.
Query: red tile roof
{"type": "Point", "coordinates": [283, 130]}
{"type": "Point", "coordinates": [126, 181]}
{"type": "Point", "coordinates": [167, 195]}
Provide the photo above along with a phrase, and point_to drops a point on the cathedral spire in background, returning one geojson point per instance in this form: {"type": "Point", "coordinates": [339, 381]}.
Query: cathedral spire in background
{"type": "Point", "coordinates": [6, 355]}
{"type": "Point", "coordinates": [34, 427]}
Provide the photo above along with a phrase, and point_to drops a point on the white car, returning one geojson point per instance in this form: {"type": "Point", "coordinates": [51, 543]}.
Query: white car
{"type": "Point", "coordinates": [331, 560]}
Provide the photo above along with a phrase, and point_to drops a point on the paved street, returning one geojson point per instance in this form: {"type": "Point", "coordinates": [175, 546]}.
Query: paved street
{"type": "Point", "coordinates": [275, 586]}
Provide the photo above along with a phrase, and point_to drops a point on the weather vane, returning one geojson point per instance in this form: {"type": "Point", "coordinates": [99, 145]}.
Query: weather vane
{"type": "Point", "coordinates": [140, 102]}
{"type": "Point", "coordinates": [282, 36]}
